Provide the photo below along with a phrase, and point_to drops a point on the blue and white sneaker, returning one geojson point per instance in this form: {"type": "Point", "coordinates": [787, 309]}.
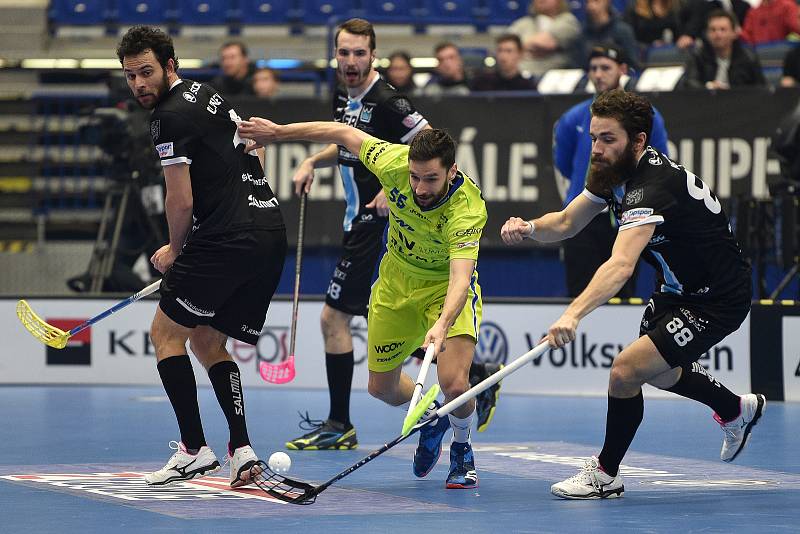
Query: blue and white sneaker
{"type": "Point", "coordinates": [430, 445]}
{"type": "Point", "coordinates": [462, 467]}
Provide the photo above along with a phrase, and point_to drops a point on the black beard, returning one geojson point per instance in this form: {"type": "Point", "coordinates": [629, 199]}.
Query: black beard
{"type": "Point", "coordinates": [603, 178]}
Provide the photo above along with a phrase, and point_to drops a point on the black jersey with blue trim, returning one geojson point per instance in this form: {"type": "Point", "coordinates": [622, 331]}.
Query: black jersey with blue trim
{"type": "Point", "coordinates": [692, 249]}
{"type": "Point", "coordinates": [383, 113]}
{"type": "Point", "coordinates": [193, 124]}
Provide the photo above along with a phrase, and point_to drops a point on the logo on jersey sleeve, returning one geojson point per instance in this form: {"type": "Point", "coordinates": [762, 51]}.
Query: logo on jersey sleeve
{"type": "Point", "coordinates": [635, 215]}
{"type": "Point", "coordinates": [412, 120]}
{"type": "Point", "coordinates": [634, 197]}
{"type": "Point", "coordinates": [165, 150]}
{"type": "Point", "coordinates": [467, 244]}
{"type": "Point", "coordinates": [189, 97]}
{"type": "Point", "coordinates": [155, 129]}
{"type": "Point", "coordinates": [376, 150]}
{"type": "Point", "coordinates": [468, 232]}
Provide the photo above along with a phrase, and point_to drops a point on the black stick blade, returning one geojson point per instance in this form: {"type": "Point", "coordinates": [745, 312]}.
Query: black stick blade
{"type": "Point", "coordinates": [282, 488]}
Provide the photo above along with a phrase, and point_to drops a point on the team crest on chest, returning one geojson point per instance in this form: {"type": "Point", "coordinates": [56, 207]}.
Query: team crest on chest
{"type": "Point", "coordinates": [634, 197]}
{"type": "Point", "coordinates": [366, 113]}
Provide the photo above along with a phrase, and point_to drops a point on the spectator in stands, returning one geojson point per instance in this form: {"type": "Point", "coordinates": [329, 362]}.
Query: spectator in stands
{"type": "Point", "coordinates": [400, 73]}
{"type": "Point", "coordinates": [791, 69]}
{"type": "Point", "coordinates": [449, 77]}
{"type": "Point", "coordinates": [772, 20]}
{"type": "Point", "coordinates": [721, 62]}
{"type": "Point", "coordinates": [605, 26]}
{"type": "Point", "coordinates": [654, 22]}
{"type": "Point", "coordinates": [507, 75]}
{"type": "Point", "coordinates": [237, 71]}
{"type": "Point", "coordinates": [550, 34]}
{"type": "Point", "coordinates": [572, 147]}
{"type": "Point", "coordinates": [694, 14]}
{"type": "Point", "coordinates": [266, 83]}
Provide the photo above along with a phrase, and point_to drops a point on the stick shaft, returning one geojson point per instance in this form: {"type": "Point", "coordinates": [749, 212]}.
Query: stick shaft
{"type": "Point", "coordinates": [149, 290]}
{"type": "Point", "coordinates": [423, 373]}
{"type": "Point", "coordinates": [298, 261]}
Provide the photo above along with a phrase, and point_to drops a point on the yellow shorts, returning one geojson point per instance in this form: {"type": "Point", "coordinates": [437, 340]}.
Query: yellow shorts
{"type": "Point", "coordinates": [402, 308]}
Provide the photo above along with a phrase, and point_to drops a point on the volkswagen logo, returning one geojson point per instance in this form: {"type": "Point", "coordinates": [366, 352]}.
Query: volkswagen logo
{"type": "Point", "coordinates": [492, 344]}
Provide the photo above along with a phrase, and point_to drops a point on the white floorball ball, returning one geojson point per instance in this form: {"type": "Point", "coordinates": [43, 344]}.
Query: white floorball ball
{"type": "Point", "coordinates": [280, 462]}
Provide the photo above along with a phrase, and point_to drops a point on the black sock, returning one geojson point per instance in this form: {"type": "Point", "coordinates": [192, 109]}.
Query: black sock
{"type": "Point", "coordinates": [178, 379]}
{"type": "Point", "coordinates": [227, 384]}
{"type": "Point", "coordinates": [340, 379]}
{"type": "Point", "coordinates": [697, 384]}
{"type": "Point", "coordinates": [477, 371]}
{"type": "Point", "coordinates": [622, 421]}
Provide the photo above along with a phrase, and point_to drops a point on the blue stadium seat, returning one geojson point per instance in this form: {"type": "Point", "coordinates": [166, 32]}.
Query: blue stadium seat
{"type": "Point", "coordinates": [269, 11]}
{"type": "Point", "coordinates": [504, 12]}
{"type": "Point", "coordinates": [773, 75]}
{"type": "Point", "coordinates": [451, 12]}
{"type": "Point", "coordinates": [393, 11]}
{"type": "Point", "coordinates": [204, 12]}
{"type": "Point", "coordinates": [665, 55]}
{"type": "Point", "coordinates": [78, 12]}
{"type": "Point", "coordinates": [142, 11]}
{"type": "Point", "coordinates": [318, 12]}
{"type": "Point", "coordinates": [772, 54]}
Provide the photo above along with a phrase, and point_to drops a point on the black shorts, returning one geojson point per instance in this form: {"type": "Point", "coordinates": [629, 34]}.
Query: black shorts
{"type": "Point", "coordinates": [225, 283]}
{"type": "Point", "coordinates": [682, 330]}
{"type": "Point", "coordinates": [352, 278]}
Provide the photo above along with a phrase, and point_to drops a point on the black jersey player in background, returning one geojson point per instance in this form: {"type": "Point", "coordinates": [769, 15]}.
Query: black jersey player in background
{"type": "Point", "coordinates": [226, 249]}
{"type": "Point", "coordinates": [671, 218]}
{"type": "Point", "coordinates": [363, 100]}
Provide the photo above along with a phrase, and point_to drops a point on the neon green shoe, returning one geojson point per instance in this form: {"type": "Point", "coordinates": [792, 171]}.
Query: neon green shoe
{"type": "Point", "coordinates": [324, 435]}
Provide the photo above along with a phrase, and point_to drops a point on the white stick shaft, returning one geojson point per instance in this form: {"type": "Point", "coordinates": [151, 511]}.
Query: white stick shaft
{"type": "Point", "coordinates": [479, 388]}
{"type": "Point", "coordinates": [423, 372]}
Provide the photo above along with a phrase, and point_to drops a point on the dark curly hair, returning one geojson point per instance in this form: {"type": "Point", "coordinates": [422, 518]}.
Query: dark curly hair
{"type": "Point", "coordinates": [634, 112]}
{"type": "Point", "coordinates": [139, 39]}
{"type": "Point", "coordinates": [433, 143]}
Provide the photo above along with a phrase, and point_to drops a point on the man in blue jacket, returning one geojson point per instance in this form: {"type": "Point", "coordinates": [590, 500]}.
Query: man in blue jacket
{"type": "Point", "coordinates": [585, 252]}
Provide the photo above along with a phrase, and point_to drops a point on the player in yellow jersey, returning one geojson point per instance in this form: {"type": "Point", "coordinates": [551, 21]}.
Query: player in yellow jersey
{"type": "Point", "coordinates": [427, 289]}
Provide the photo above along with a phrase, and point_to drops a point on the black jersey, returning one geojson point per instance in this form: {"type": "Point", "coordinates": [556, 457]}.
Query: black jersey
{"type": "Point", "coordinates": [692, 248]}
{"type": "Point", "coordinates": [383, 113]}
{"type": "Point", "coordinates": [193, 124]}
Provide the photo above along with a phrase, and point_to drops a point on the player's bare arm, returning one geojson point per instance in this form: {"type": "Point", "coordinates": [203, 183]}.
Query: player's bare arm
{"type": "Point", "coordinates": [304, 175]}
{"type": "Point", "coordinates": [554, 226]}
{"type": "Point", "coordinates": [264, 131]}
{"type": "Point", "coordinates": [605, 283]}
{"type": "Point", "coordinates": [178, 207]}
{"type": "Point", "coordinates": [461, 270]}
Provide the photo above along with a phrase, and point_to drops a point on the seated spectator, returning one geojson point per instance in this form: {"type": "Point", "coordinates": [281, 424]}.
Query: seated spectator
{"type": "Point", "coordinates": [605, 26]}
{"type": "Point", "coordinates": [694, 14]}
{"type": "Point", "coordinates": [449, 77]}
{"type": "Point", "coordinates": [237, 71]}
{"type": "Point", "coordinates": [654, 22]}
{"type": "Point", "coordinates": [507, 75]}
{"type": "Point", "coordinates": [549, 33]}
{"type": "Point", "coordinates": [791, 69]}
{"type": "Point", "coordinates": [400, 73]}
{"type": "Point", "coordinates": [722, 62]}
{"type": "Point", "coordinates": [772, 20]}
{"type": "Point", "coordinates": [266, 83]}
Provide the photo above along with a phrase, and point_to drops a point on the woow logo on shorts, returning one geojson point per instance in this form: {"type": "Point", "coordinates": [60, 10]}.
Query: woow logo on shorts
{"type": "Point", "coordinates": [394, 345]}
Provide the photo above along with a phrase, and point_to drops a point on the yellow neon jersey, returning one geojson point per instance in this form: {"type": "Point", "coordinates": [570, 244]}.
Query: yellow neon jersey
{"type": "Point", "coordinates": [424, 240]}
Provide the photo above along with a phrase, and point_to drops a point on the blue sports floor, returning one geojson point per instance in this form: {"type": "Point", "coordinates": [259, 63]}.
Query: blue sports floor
{"type": "Point", "coordinates": [71, 460]}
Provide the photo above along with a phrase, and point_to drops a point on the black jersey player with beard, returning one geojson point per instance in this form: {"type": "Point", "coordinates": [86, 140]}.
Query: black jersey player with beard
{"type": "Point", "coordinates": [363, 100]}
{"type": "Point", "coordinates": [226, 250]}
{"type": "Point", "coordinates": [674, 221]}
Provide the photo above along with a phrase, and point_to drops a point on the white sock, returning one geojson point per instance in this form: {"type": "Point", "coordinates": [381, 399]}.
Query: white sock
{"type": "Point", "coordinates": [461, 427]}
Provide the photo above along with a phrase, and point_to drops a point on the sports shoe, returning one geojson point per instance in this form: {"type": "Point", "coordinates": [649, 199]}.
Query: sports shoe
{"type": "Point", "coordinates": [430, 445]}
{"type": "Point", "coordinates": [462, 467]}
{"type": "Point", "coordinates": [324, 435]}
{"type": "Point", "coordinates": [737, 431]}
{"type": "Point", "coordinates": [242, 460]}
{"type": "Point", "coordinates": [184, 466]}
{"type": "Point", "coordinates": [486, 402]}
{"type": "Point", "coordinates": [591, 483]}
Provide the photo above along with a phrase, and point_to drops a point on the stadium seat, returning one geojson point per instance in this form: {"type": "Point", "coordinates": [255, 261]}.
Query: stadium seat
{"type": "Point", "coordinates": [655, 79]}
{"type": "Point", "coordinates": [78, 12]}
{"type": "Point", "coordinates": [504, 12]}
{"type": "Point", "coordinates": [665, 55]}
{"type": "Point", "coordinates": [204, 12]}
{"type": "Point", "coordinates": [451, 11]}
{"type": "Point", "coordinates": [142, 11]}
{"type": "Point", "coordinates": [269, 11]}
{"type": "Point", "coordinates": [773, 75]}
{"type": "Point", "coordinates": [392, 11]}
{"type": "Point", "coordinates": [772, 54]}
{"type": "Point", "coordinates": [318, 12]}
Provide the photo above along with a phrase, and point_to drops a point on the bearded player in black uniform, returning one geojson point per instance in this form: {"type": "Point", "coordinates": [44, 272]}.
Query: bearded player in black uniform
{"type": "Point", "coordinates": [367, 102]}
{"type": "Point", "coordinates": [703, 293]}
{"type": "Point", "coordinates": [227, 244]}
